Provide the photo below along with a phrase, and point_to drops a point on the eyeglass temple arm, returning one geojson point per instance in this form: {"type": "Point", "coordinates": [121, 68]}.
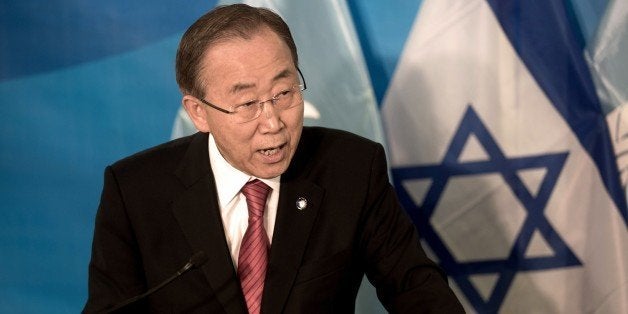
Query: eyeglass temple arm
{"type": "Point", "coordinates": [302, 79]}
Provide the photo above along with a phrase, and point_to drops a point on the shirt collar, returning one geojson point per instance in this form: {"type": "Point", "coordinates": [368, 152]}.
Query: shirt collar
{"type": "Point", "coordinates": [230, 180]}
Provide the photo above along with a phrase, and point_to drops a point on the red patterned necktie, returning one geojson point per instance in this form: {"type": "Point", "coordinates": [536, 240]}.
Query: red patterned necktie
{"type": "Point", "coordinates": [253, 256]}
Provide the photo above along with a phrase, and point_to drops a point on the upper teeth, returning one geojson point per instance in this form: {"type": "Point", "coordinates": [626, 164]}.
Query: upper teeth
{"type": "Point", "coordinates": [269, 152]}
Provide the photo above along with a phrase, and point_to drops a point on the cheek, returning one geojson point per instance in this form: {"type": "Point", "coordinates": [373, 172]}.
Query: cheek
{"type": "Point", "coordinates": [294, 120]}
{"type": "Point", "coordinates": [297, 128]}
{"type": "Point", "coordinates": [235, 140]}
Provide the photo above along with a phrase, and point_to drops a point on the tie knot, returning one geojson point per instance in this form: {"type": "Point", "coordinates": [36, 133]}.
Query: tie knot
{"type": "Point", "coordinates": [256, 193]}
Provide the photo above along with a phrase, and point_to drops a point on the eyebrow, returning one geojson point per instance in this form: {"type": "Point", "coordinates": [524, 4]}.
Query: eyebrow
{"type": "Point", "coordinates": [242, 86]}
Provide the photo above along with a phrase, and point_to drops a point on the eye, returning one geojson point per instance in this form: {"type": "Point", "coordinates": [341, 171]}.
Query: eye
{"type": "Point", "coordinates": [283, 93]}
{"type": "Point", "coordinates": [246, 106]}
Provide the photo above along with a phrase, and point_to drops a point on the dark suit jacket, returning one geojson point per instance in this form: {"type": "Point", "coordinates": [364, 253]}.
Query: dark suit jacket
{"type": "Point", "coordinates": [159, 207]}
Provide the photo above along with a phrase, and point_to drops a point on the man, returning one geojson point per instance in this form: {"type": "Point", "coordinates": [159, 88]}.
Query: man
{"type": "Point", "coordinates": [330, 214]}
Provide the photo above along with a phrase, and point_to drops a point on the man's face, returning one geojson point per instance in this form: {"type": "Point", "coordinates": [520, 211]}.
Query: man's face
{"type": "Point", "coordinates": [239, 70]}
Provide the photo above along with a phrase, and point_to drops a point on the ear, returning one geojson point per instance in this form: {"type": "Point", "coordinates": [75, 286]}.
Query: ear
{"type": "Point", "coordinates": [197, 113]}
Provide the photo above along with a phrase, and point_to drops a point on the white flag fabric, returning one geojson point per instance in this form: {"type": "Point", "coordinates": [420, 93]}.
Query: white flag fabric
{"type": "Point", "coordinates": [339, 93]}
{"type": "Point", "coordinates": [501, 154]}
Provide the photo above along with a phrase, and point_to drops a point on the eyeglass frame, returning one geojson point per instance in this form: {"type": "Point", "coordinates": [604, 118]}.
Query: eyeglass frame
{"type": "Point", "coordinates": [261, 103]}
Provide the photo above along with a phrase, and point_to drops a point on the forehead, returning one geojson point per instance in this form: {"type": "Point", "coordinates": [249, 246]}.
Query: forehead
{"type": "Point", "coordinates": [237, 64]}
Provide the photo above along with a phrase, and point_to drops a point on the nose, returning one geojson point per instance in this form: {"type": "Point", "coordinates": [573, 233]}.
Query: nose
{"type": "Point", "coordinates": [270, 120]}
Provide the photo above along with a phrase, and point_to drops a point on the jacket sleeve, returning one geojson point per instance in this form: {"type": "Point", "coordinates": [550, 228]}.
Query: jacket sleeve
{"type": "Point", "coordinates": [406, 280]}
{"type": "Point", "coordinates": [115, 270]}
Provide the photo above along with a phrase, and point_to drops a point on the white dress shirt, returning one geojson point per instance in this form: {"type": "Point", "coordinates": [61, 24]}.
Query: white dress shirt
{"type": "Point", "coordinates": [233, 208]}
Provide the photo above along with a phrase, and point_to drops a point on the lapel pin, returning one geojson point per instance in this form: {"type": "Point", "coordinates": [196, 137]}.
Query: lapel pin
{"type": "Point", "coordinates": [301, 203]}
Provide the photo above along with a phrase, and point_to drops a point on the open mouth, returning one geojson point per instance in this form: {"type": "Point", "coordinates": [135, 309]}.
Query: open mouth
{"type": "Point", "coordinates": [271, 151]}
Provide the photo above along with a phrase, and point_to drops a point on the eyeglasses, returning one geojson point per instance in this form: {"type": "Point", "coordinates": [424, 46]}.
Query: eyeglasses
{"type": "Point", "coordinates": [252, 109]}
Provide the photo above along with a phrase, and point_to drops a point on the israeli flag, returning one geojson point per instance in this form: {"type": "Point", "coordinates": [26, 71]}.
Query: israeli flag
{"type": "Point", "coordinates": [501, 153]}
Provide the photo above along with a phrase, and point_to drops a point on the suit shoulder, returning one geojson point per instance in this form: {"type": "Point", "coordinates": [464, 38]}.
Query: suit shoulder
{"type": "Point", "coordinates": [337, 138]}
{"type": "Point", "coordinates": [162, 156]}
{"type": "Point", "coordinates": [328, 148]}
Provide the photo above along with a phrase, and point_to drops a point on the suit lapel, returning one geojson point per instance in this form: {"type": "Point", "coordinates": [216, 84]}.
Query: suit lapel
{"type": "Point", "coordinates": [292, 231]}
{"type": "Point", "coordinates": [293, 226]}
{"type": "Point", "coordinates": [198, 214]}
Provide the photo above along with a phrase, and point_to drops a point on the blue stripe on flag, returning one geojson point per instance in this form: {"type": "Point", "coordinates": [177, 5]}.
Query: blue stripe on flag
{"type": "Point", "coordinates": [542, 34]}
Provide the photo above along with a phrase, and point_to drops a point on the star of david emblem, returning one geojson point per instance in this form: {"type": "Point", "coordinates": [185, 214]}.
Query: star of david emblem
{"type": "Point", "coordinates": [533, 223]}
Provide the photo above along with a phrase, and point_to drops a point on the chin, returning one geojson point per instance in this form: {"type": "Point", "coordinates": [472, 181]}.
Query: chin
{"type": "Point", "coordinates": [270, 172]}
